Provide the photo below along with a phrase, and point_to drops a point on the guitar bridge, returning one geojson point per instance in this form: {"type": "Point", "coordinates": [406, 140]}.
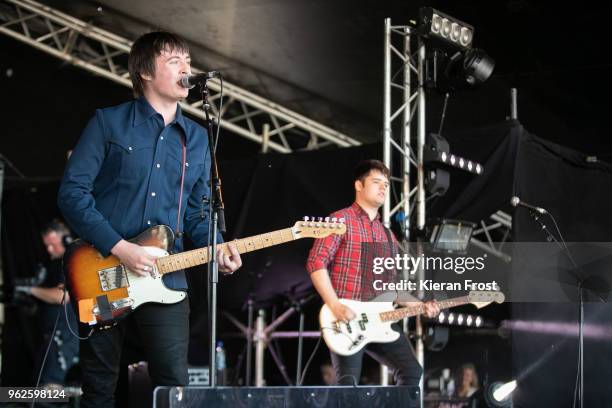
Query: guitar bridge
{"type": "Point", "coordinates": [117, 304]}
{"type": "Point", "coordinates": [112, 278]}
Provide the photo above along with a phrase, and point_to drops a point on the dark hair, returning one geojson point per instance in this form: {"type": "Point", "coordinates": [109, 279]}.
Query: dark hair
{"type": "Point", "coordinates": [57, 226]}
{"type": "Point", "coordinates": [144, 51]}
{"type": "Point", "coordinates": [366, 166]}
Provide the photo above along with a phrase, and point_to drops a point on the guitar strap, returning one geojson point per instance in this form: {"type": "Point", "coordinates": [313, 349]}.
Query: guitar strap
{"type": "Point", "coordinates": [390, 241]}
{"type": "Point", "coordinates": [179, 234]}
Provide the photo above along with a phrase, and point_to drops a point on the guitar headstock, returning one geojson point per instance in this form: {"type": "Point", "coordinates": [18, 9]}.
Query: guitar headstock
{"type": "Point", "coordinates": [481, 299]}
{"type": "Point", "coordinates": [312, 227]}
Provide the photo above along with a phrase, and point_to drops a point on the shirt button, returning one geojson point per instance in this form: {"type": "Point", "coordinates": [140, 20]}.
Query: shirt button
{"type": "Point", "coordinates": [161, 137]}
{"type": "Point", "coordinates": [153, 194]}
{"type": "Point", "coordinates": [158, 165]}
{"type": "Point", "coordinates": [148, 222]}
{"type": "Point", "coordinates": [130, 148]}
{"type": "Point", "coordinates": [187, 164]}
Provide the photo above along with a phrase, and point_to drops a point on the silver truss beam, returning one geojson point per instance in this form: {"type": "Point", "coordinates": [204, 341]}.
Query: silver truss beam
{"type": "Point", "coordinates": [404, 108]}
{"type": "Point", "coordinates": [500, 221]}
{"type": "Point", "coordinates": [104, 53]}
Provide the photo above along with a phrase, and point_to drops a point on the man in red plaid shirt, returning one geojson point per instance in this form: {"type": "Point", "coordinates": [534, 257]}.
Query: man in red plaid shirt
{"type": "Point", "coordinates": [337, 268]}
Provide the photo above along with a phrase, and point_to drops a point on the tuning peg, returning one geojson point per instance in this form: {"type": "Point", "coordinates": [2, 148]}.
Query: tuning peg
{"type": "Point", "coordinates": [341, 220]}
{"type": "Point", "coordinates": [334, 219]}
{"type": "Point", "coordinates": [326, 219]}
{"type": "Point", "coordinates": [320, 219]}
{"type": "Point", "coordinates": [306, 218]}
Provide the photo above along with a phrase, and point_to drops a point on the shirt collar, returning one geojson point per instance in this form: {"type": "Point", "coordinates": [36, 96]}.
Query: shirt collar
{"type": "Point", "coordinates": [362, 213]}
{"type": "Point", "coordinates": [180, 119]}
{"type": "Point", "coordinates": [143, 112]}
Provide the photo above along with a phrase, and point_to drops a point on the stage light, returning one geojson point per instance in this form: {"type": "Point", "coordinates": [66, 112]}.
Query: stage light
{"type": "Point", "coordinates": [468, 320]}
{"type": "Point", "coordinates": [452, 236]}
{"type": "Point", "coordinates": [441, 317]}
{"type": "Point", "coordinates": [451, 318]}
{"type": "Point", "coordinates": [436, 337]}
{"type": "Point", "coordinates": [477, 66]}
{"type": "Point", "coordinates": [434, 24]}
{"type": "Point", "coordinates": [499, 395]}
{"type": "Point", "coordinates": [478, 321]}
{"type": "Point", "coordinates": [465, 69]}
{"type": "Point", "coordinates": [459, 319]}
{"type": "Point", "coordinates": [437, 150]}
{"type": "Point", "coordinates": [437, 181]}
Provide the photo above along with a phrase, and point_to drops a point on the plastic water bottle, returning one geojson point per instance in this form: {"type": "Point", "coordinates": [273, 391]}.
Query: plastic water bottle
{"type": "Point", "coordinates": [450, 388]}
{"type": "Point", "coordinates": [221, 364]}
{"type": "Point", "coordinates": [444, 380]}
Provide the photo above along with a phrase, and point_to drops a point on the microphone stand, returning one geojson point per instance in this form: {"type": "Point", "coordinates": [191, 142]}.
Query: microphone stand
{"type": "Point", "coordinates": [216, 223]}
{"type": "Point", "coordinates": [550, 237]}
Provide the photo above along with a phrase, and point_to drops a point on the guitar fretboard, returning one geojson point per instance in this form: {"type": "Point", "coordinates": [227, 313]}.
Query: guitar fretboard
{"type": "Point", "coordinates": [410, 311]}
{"type": "Point", "coordinates": [188, 259]}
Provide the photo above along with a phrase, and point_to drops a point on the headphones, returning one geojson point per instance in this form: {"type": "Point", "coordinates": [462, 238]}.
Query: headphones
{"type": "Point", "coordinates": [55, 225]}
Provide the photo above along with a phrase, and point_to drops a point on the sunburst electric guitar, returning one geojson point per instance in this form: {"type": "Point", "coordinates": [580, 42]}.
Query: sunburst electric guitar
{"type": "Point", "coordinates": [105, 291]}
{"type": "Point", "coordinates": [373, 320]}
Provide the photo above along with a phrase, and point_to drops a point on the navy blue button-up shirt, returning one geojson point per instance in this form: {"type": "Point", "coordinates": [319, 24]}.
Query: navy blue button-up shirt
{"type": "Point", "coordinates": [124, 175]}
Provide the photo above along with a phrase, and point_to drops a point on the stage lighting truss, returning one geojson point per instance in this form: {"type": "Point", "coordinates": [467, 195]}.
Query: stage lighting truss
{"type": "Point", "coordinates": [435, 24]}
{"type": "Point", "coordinates": [405, 132]}
{"type": "Point", "coordinates": [493, 233]}
{"type": "Point", "coordinates": [103, 53]}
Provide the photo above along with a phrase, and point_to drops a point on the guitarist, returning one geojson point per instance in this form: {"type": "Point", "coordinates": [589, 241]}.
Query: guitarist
{"type": "Point", "coordinates": [336, 270]}
{"type": "Point", "coordinates": [136, 165]}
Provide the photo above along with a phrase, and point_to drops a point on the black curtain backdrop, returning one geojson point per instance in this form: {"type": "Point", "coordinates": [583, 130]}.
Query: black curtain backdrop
{"type": "Point", "coordinates": [578, 192]}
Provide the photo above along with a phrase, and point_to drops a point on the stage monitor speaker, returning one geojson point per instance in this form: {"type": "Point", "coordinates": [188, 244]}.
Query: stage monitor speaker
{"type": "Point", "coordinates": [287, 397]}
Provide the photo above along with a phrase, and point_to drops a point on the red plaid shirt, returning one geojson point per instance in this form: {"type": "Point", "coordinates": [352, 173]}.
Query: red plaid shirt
{"type": "Point", "coordinates": [341, 254]}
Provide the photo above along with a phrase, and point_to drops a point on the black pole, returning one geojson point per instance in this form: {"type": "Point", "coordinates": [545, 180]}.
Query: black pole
{"type": "Point", "coordinates": [550, 237]}
{"type": "Point", "coordinates": [217, 223]}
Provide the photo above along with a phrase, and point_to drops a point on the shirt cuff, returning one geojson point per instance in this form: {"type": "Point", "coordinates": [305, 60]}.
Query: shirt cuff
{"type": "Point", "coordinates": [104, 238]}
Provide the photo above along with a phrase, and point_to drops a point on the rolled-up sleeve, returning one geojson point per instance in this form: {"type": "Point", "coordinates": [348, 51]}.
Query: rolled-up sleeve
{"type": "Point", "coordinates": [322, 252]}
{"type": "Point", "coordinates": [75, 197]}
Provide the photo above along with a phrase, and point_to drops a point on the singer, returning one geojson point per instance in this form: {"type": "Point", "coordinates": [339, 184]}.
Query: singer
{"type": "Point", "coordinates": [139, 164]}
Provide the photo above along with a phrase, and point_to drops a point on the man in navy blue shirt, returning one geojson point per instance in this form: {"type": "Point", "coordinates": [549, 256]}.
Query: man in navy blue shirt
{"type": "Point", "coordinates": [125, 175]}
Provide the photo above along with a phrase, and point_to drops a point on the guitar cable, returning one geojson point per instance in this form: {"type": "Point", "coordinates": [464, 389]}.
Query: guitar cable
{"type": "Point", "coordinates": [68, 321]}
{"type": "Point", "coordinates": [44, 360]}
{"type": "Point", "coordinates": [314, 351]}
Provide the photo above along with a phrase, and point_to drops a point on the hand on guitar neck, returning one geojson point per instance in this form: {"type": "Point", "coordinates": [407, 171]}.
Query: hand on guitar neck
{"type": "Point", "coordinates": [138, 260]}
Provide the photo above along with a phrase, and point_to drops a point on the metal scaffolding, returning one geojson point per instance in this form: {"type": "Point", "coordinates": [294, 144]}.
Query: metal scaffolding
{"type": "Point", "coordinates": [398, 153]}
{"type": "Point", "coordinates": [103, 53]}
{"type": "Point", "coordinates": [404, 116]}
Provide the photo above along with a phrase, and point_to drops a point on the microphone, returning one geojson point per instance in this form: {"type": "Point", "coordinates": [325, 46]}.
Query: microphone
{"type": "Point", "coordinates": [516, 202]}
{"type": "Point", "coordinates": [189, 81]}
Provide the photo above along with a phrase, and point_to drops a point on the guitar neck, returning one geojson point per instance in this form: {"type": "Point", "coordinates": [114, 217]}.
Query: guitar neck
{"type": "Point", "coordinates": [188, 259]}
{"type": "Point", "coordinates": [409, 311]}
